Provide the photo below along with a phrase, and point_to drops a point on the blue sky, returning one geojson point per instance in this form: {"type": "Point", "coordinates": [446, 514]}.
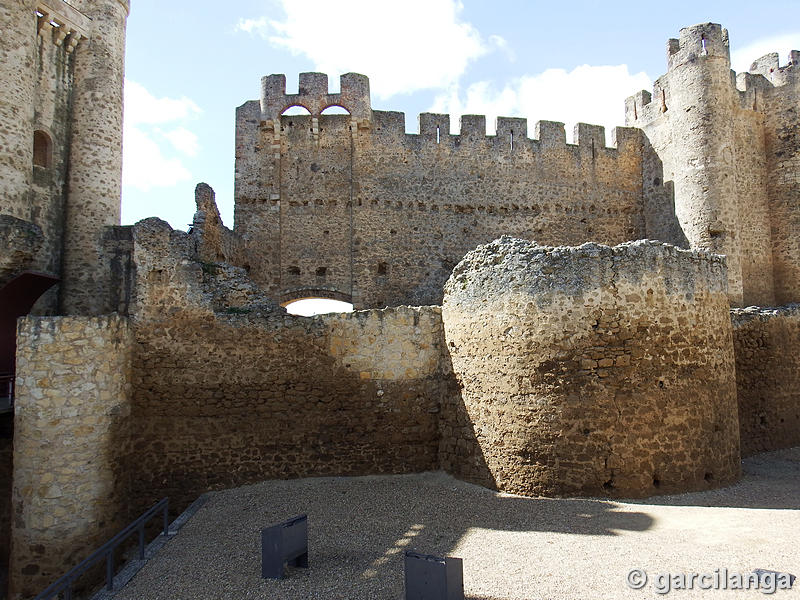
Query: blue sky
{"type": "Point", "coordinates": [190, 64]}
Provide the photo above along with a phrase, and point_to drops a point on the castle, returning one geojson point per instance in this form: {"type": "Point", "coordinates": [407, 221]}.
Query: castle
{"type": "Point", "coordinates": [535, 316]}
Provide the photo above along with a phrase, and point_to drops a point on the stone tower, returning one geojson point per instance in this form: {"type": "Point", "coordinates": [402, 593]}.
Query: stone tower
{"type": "Point", "coordinates": [95, 175]}
{"type": "Point", "coordinates": [62, 68]}
{"type": "Point", "coordinates": [702, 96]}
{"type": "Point", "coordinates": [695, 123]}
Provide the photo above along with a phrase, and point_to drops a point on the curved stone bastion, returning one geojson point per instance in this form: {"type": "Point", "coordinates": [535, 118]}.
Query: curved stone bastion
{"type": "Point", "coordinates": [594, 370]}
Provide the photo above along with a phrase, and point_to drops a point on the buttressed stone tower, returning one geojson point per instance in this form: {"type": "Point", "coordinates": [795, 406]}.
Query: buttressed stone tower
{"type": "Point", "coordinates": [62, 65]}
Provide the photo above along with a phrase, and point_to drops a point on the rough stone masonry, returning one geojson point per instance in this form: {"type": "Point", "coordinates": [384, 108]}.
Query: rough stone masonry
{"type": "Point", "coordinates": [584, 363]}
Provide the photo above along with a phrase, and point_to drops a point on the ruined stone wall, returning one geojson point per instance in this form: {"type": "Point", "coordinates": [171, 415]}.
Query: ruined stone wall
{"type": "Point", "coordinates": [71, 440]}
{"type": "Point", "coordinates": [767, 345]}
{"type": "Point", "coordinates": [706, 158]}
{"type": "Point", "coordinates": [353, 204]}
{"type": "Point", "coordinates": [213, 242]}
{"type": "Point", "coordinates": [229, 389]}
{"type": "Point", "coordinates": [611, 370]}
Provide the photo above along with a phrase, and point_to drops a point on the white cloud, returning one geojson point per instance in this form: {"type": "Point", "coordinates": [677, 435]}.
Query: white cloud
{"type": "Point", "coordinates": [144, 164]}
{"type": "Point", "coordinates": [502, 44]}
{"type": "Point", "coordinates": [742, 58]}
{"type": "Point", "coordinates": [402, 47]}
{"type": "Point", "coordinates": [253, 25]}
{"type": "Point", "coordinates": [142, 107]}
{"type": "Point", "coordinates": [183, 140]}
{"type": "Point", "coordinates": [149, 158]}
{"type": "Point", "coordinates": [587, 94]}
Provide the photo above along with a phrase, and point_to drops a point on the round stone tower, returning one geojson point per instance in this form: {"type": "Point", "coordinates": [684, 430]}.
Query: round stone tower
{"type": "Point", "coordinates": [18, 74]}
{"type": "Point", "coordinates": [593, 370]}
{"type": "Point", "coordinates": [701, 105]}
{"type": "Point", "coordinates": [95, 172]}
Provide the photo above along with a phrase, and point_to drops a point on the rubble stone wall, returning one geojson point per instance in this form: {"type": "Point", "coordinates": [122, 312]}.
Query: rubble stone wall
{"type": "Point", "coordinates": [225, 400]}
{"type": "Point", "coordinates": [767, 344]}
{"type": "Point", "coordinates": [391, 213]}
{"type": "Point", "coordinates": [591, 370]}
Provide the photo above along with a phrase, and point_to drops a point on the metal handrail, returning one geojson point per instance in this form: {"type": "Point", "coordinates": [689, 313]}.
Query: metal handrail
{"type": "Point", "coordinates": [106, 551]}
{"type": "Point", "coordinates": [7, 385]}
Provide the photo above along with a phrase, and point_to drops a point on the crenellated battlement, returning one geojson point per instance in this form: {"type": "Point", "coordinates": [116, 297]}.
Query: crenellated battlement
{"type": "Point", "coordinates": [314, 96]}
{"type": "Point", "coordinates": [764, 74]}
{"type": "Point", "coordinates": [434, 128]}
{"type": "Point", "coordinates": [706, 40]}
{"type": "Point", "coordinates": [769, 66]}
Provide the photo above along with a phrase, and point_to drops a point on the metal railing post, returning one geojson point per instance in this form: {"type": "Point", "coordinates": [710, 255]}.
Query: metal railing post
{"type": "Point", "coordinates": [141, 541]}
{"type": "Point", "coordinates": [166, 518]}
{"type": "Point", "coordinates": [110, 570]}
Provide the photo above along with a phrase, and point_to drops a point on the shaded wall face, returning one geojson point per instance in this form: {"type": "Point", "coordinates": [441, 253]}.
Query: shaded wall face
{"type": "Point", "coordinates": [602, 373]}
{"type": "Point", "coordinates": [6, 466]}
{"type": "Point", "coordinates": [383, 216]}
{"type": "Point", "coordinates": [17, 72]}
{"type": "Point", "coordinates": [53, 116]}
{"type": "Point", "coordinates": [70, 444]}
{"type": "Point", "coordinates": [224, 401]}
{"type": "Point", "coordinates": [767, 343]}
{"type": "Point", "coordinates": [782, 129]}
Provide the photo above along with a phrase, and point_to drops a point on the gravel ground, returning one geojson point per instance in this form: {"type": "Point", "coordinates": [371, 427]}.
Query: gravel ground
{"type": "Point", "coordinates": [512, 547]}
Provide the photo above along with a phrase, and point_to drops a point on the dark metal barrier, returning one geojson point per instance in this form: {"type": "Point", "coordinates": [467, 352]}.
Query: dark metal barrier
{"type": "Point", "coordinates": [7, 386]}
{"type": "Point", "coordinates": [6, 403]}
{"type": "Point", "coordinates": [433, 578]}
{"type": "Point", "coordinates": [106, 552]}
{"type": "Point", "coordinates": [283, 543]}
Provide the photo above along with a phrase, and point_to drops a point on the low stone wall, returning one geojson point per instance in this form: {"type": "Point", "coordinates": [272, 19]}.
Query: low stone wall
{"type": "Point", "coordinates": [591, 370]}
{"type": "Point", "coordinates": [70, 442]}
{"type": "Point", "coordinates": [224, 400]}
{"type": "Point", "coordinates": [767, 346]}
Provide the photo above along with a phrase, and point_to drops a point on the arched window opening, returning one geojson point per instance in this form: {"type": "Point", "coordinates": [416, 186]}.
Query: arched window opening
{"type": "Point", "coordinates": [42, 149]}
{"type": "Point", "coordinates": [295, 111]}
{"type": "Point", "coordinates": [308, 307]}
{"type": "Point", "coordinates": [335, 109]}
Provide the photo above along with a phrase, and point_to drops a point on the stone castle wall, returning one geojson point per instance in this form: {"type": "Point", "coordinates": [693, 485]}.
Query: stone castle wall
{"type": "Point", "coordinates": [391, 213]}
{"type": "Point", "coordinates": [71, 441]}
{"type": "Point", "coordinates": [611, 371]}
{"type": "Point", "coordinates": [17, 72]}
{"type": "Point", "coordinates": [228, 400]}
{"type": "Point", "coordinates": [229, 389]}
{"type": "Point", "coordinates": [775, 92]}
{"type": "Point", "coordinates": [767, 343]}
